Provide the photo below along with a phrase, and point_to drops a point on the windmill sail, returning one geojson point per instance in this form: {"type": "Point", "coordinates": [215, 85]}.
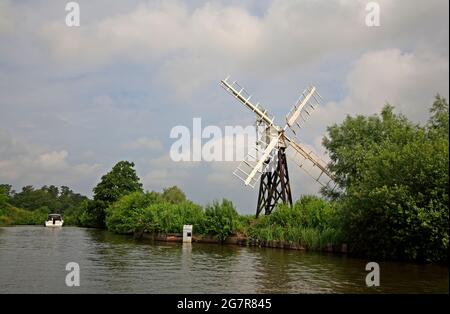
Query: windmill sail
{"type": "Point", "coordinates": [243, 96]}
{"type": "Point", "coordinates": [302, 109]}
{"type": "Point", "coordinates": [311, 164]}
{"type": "Point", "coordinates": [266, 162]}
{"type": "Point", "coordinates": [257, 162]}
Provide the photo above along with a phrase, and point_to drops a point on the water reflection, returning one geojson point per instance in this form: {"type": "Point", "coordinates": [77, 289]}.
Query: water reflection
{"type": "Point", "coordinates": [114, 263]}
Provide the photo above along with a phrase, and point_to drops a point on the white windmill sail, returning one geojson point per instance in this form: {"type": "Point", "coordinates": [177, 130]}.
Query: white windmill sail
{"type": "Point", "coordinates": [311, 164]}
{"type": "Point", "coordinates": [262, 157]}
{"type": "Point", "coordinates": [257, 162]}
{"type": "Point", "coordinates": [243, 96]}
{"type": "Point", "coordinates": [302, 109]}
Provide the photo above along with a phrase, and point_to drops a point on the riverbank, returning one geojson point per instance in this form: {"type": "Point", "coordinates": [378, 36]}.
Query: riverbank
{"type": "Point", "coordinates": [241, 241]}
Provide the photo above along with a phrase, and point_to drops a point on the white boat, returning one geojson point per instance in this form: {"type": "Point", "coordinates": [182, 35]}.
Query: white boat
{"type": "Point", "coordinates": [54, 220]}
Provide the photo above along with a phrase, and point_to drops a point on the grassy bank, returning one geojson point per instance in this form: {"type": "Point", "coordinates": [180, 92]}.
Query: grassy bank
{"type": "Point", "coordinates": [309, 223]}
{"type": "Point", "coordinates": [10, 215]}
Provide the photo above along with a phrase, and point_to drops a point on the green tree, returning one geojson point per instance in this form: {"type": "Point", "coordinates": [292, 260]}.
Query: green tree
{"type": "Point", "coordinates": [127, 214]}
{"type": "Point", "coordinates": [63, 201]}
{"type": "Point", "coordinates": [348, 143]}
{"type": "Point", "coordinates": [173, 195]}
{"type": "Point", "coordinates": [120, 181]}
{"type": "Point", "coordinates": [393, 176]}
{"type": "Point", "coordinates": [32, 199]}
{"type": "Point", "coordinates": [438, 122]}
{"type": "Point", "coordinates": [53, 191]}
{"type": "Point", "coordinates": [31, 206]}
{"type": "Point", "coordinates": [5, 190]}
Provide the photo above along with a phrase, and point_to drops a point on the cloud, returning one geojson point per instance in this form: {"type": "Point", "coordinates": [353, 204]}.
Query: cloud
{"type": "Point", "coordinates": [222, 173]}
{"type": "Point", "coordinates": [164, 173]}
{"type": "Point", "coordinates": [6, 21]}
{"type": "Point", "coordinates": [24, 164]}
{"type": "Point", "coordinates": [143, 143]}
{"type": "Point", "coordinates": [407, 80]}
{"type": "Point", "coordinates": [53, 160]}
{"type": "Point", "coordinates": [194, 45]}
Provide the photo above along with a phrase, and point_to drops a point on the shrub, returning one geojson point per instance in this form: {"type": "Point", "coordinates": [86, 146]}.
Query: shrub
{"type": "Point", "coordinates": [221, 219]}
{"type": "Point", "coordinates": [126, 215]}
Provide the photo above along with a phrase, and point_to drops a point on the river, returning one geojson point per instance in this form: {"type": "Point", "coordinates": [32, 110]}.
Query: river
{"type": "Point", "coordinates": [33, 260]}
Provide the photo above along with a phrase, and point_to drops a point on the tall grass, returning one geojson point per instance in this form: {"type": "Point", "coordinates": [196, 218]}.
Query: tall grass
{"type": "Point", "coordinates": [309, 223]}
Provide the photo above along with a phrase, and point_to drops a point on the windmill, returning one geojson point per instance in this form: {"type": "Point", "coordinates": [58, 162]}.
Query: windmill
{"type": "Point", "coordinates": [266, 162]}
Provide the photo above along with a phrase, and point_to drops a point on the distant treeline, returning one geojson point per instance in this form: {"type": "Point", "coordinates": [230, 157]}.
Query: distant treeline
{"type": "Point", "coordinates": [391, 199]}
{"type": "Point", "coordinates": [31, 206]}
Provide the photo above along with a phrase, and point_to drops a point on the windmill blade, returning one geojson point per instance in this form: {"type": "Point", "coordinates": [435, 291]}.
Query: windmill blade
{"type": "Point", "coordinates": [244, 97]}
{"type": "Point", "coordinates": [257, 162]}
{"type": "Point", "coordinates": [311, 164]}
{"type": "Point", "coordinates": [302, 109]}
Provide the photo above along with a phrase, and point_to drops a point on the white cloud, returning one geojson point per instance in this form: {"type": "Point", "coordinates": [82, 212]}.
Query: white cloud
{"type": "Point", "coordinates": [6, 21]}
{"type": "Point", "coordinates": [53, 160]}
{"type": "Point", "coordinates": [165, 172]}
{"type": "Point", "coordinates": [222, 173]}
{"type": "Point", "coordinates": [408, 81]}
{"type": "Point", "coordinates": [194, 46]}
{"type": "Point", "coordinates": [143, 143]}
{"type": "Point", "coordinates": [24, 164]}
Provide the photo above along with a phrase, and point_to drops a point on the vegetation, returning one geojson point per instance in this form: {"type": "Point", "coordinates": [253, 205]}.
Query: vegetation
{"type": "Point", "coordinates": [310, 222]}
{"type": "Point", "coordinates": [221, 219]}
{"type": "Point", "coordinates": [120, 181]}
{"type": "Point", "coordinates": [153, 213]}
{"type": "Point", "coordinates": [391, 199]}
{"type": "Point", "coordinates": [393, 179]}
{"type": "Point", "coordinates": [10, 215]}
{"type": "Point", "coordinates": [173, 195]}
{"type": "Point", "coordinates": [31, 206]}
{"type": "Point", "coordinates": [140, 211]}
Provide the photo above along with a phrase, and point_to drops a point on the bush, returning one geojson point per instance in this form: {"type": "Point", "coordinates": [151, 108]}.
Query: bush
{"type": "Point", "coordinates": [222, 219]}
{"type": "Point", "coordinates": [147, 212]}
{"type": "Point", "coordinates": [169, 218]}
{"type": "Point", "coordinates": [127, 214]}
{"type": "Point", "coordinates": [311, 222]}
{"type": "Point", "coordinates": [10, 215]}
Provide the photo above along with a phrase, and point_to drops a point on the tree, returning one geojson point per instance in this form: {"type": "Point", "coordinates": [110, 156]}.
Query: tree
{"type": "Point", "coordinates": [5, 191]}
{"type": "Point", "coordinates": [348, 143]}
{"type": "Point", "coordinates": [52, 191]}
{"type": "Point", "coordinates": [125, 215]}
{"type": "Point", "coordinates": [31, 199]}
{"type": "Point", "coordinates": [438, 122]}
{"type": "Point", "coordinates": [120, 181]}
{"type": "Point", "coordinates": [393, 177]}
{"type": "Point", "coordinates": [173, 195]}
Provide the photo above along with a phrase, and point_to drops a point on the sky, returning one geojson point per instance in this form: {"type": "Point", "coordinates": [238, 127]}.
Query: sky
{"type": "Point", "coordinates": [76, 100]}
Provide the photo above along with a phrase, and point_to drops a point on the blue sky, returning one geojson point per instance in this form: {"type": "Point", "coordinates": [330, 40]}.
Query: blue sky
{"type": "Point", "coordinates": [73, 101]}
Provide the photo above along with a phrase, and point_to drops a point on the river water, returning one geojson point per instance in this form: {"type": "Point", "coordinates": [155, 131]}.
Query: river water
{"type": "Point", "coordinates": [33, 260]}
